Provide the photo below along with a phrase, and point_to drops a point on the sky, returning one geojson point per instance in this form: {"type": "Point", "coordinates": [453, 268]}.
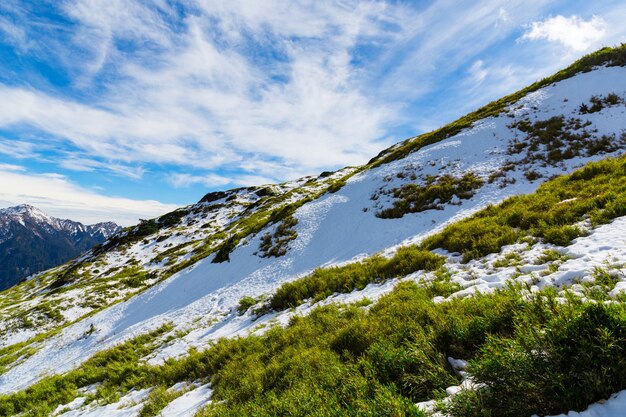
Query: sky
{"type": "Point", "coordinates": [126, 109]}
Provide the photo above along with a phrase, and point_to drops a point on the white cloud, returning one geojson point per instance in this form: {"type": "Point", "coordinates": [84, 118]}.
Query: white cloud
{"type": "Point", "coordinates": [193, 94]}
{"type": "Point", "coordinates": [102, 22]}
{"type": "Point", "coordinates": [478, 72]}
{"type": "Point", "coordinates": [180, 180]}
{"type": "Point", "coordinates": [14, 33]}
{"type": "Point", "coordinates": [59, 197]}
{"type": "Point", "coordinates": [19, 149]}
{"type": "Point", "coordinates": [444, 37]}
{"type": "Point", "coordinates": [11, 167]}
{"type": "Point", "coordinates": [192, 98]}
{"type": "Point", "coordinates": [503, 17]}
{"type": "Point", "coordinates": [11, 16]}
{"type": "Point", "coordinates": [573, 32]}
{"type": "Point", "coordinates": [199, 92]}
{"type": "Point", "coordinates": [77, 162]}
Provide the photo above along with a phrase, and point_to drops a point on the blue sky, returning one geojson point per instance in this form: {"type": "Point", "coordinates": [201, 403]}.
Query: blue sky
{"type": "Point", "coordinates": [124, 109]}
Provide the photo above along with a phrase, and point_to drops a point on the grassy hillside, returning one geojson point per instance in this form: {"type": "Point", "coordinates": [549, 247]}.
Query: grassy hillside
{"type": "Point", "coordinates": [606, 56]}
{"type": "Point", "coordinates": [375, 357]}
{"type": "Point", "coordinates": [596, 192]}
{"type": "Point", "coordinates": [381, 358]}
{"type": "Point", "coordinates": [124, 266]}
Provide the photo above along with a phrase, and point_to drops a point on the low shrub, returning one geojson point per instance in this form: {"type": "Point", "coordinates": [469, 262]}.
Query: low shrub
{"type": "Point", "coordinates": [245, 303]}
{"type": "Point", "coordinates": [157, 400]}
{"type": "Point", "coordinates": [597, 103]}
{"type": "Point", "coordinates": [544, 356]}
{"type": "Point", "coordinates": [574, 358]}
{"type": "Point", "coordinates": [437, 191]}
{"type": "Point", "coordinates": [597, 192]}
{"type": "Point", "coordinates": [117, 368]}
{"type": "Point", "coordinates": [556, 139]}
{"type": "Point", "coordinates": [276, 244]}
{"type": "Point", "coordinates": [323, 282]}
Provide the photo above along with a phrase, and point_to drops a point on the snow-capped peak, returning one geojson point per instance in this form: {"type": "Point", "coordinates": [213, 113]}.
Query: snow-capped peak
{"type": "Point", "coordinates": [23, 210]}
{"type": "Point", "coordinates": [106, 229]}
{"type": "Point", "coordinates": [25, 213]}
{"type": "Point", "coordinates": [31, 241]}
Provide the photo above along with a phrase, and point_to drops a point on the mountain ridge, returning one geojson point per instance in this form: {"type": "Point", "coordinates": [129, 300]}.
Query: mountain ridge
{"type": "Point", "coordinates": [169, 287]}
{"type": "Point", "coordinates": [32, 241]}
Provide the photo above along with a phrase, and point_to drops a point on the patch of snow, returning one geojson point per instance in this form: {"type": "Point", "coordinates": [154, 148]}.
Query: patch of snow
{"type": "Point", "coordinates": [613, 407]}
{"type": "Point", "coordinates": [127, 406]}
{"type": "Point", "coordinates": [189, 403]}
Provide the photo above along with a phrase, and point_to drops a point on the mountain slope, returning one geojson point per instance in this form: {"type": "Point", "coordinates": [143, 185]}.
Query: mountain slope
{"type": "Point", "coordinates": [177, 282]}
{"type": "Point", "coordinates": [31, 241]}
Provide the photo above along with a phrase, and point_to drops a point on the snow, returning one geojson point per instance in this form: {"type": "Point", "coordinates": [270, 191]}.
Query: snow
{"type": "Point", "coordinates": [71, 406]}
{"type": "Point", "coordinates": [605, 246]}
{"type": "Point", "coordinates": [25, 210]}
{"type": "Point", "coordinates": [459, 366]}
{"type": "Point", "coordinates": [336, 228]}
{"type": "Point", "coordinates": [188, 403]}
{"type": "Point", "coordinates": [131, 404]}
{"type": "Point", "coordinates": [613, 407]}
{"type": "Point", "coordinates": [127, 406]}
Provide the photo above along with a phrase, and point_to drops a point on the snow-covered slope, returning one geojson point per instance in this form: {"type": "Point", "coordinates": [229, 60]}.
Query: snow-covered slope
{"type": "Point", "coordinates": [191, 268]}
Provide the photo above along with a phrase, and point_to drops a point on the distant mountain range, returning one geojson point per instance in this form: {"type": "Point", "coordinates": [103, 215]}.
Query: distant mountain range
{"type": "Point", "coordinates": [32, 241]}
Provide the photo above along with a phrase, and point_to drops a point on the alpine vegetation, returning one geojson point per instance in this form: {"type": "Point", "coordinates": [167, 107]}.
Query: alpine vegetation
{"type": "Point", "coordinates": [476, 270]}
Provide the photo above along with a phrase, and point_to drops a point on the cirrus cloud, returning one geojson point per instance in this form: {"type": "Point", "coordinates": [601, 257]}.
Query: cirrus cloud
{"type": "Point", "coordinates": [177, 97]}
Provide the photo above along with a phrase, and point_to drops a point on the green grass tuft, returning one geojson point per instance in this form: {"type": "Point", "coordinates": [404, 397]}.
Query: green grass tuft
{"type": "Point", "coordinates": [598, 192]}
{"type": "Point", "coordinates": [323, 282]}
